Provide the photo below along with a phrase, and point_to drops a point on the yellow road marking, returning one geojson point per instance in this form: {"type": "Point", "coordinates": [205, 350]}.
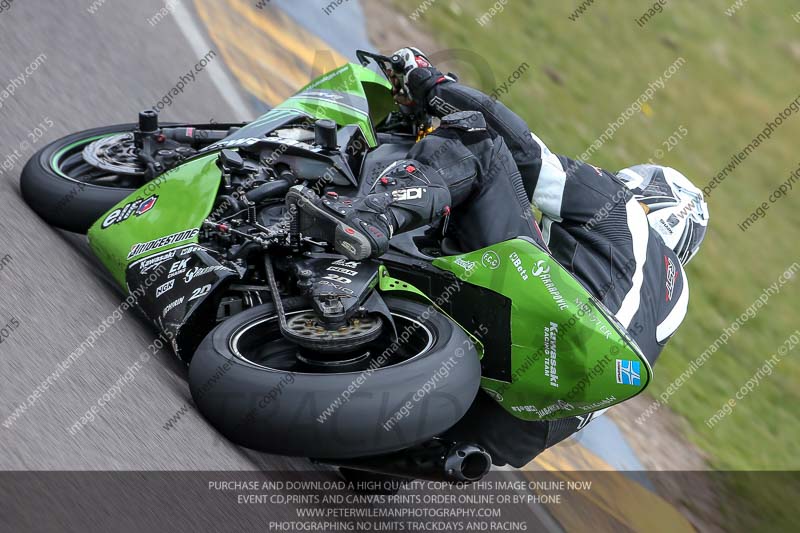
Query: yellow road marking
{"type": "Point", "coordinates": [283, 31]}
{"type": "Point", "coordinates": [619, 501]}
{"type": "Point", "coordinates": [266, 50]}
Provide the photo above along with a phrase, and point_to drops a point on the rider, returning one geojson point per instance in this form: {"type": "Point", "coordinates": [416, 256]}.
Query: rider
{"type": "Point", "coordinates": [626, 237]}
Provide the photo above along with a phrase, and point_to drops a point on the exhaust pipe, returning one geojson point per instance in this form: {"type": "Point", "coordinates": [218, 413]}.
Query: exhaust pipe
{"type": "Point", "coordinates": [434, 461]}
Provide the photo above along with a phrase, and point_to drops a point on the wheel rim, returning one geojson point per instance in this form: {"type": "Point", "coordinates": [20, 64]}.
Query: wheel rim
{"type": "Point", "coordinates": [260, 343]}
{"type": "Point", "coordinates": [69, 163]}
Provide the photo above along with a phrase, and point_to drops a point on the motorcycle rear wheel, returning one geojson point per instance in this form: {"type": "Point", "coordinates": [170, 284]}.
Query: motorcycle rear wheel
{"type": "Point", "coordinates": [247, 382]}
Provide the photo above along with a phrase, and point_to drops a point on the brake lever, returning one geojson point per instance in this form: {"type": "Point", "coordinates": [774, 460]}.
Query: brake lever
{"type": "Point", "coordinates": [364, 57]}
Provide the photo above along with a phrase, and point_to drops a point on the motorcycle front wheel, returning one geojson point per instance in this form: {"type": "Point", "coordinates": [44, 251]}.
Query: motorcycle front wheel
{"type": "Point", "coordinates": [69, 193]}
{"type": "Point", "coordinates": [259, 390]}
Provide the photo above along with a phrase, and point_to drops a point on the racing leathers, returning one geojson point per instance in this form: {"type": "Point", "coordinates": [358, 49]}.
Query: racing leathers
{"type": "Point", "coordinates": [461, 174]}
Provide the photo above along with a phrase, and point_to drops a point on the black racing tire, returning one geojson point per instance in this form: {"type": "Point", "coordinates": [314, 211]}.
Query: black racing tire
{"type": "Point", "coordinates": [278, 411]}
{"type": "Point", "coordinates": [66, 203]}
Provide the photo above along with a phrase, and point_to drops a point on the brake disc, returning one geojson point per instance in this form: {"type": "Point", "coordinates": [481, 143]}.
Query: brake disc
{"type": "Point", "coordinates": [115, 154]}
{"type": "Point", "coordinates": [306, 330]}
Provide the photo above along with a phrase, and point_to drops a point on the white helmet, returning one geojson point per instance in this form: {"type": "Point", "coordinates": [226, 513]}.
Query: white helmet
{"type": "Point", "coordinates": [677, 210]}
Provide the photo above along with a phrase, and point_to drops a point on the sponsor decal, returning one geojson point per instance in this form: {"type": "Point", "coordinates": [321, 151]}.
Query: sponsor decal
{"type": "Point", "coordinates": [550, 352]}
{"type": "Point", "coordinates": [178, 267]}
{"type": "Point", "coordinates": [322, 94]}
{"type": "Point", "coordinates": [186, 250]}
{"type": "Point", "coordinates": [201, 271]}
{"type": "Point", "coordinates": [666, 227]}
{"type": "Point", "coordinates": [346, 263]}
{"type": "Point", "coordinates": [337, 278]}
{"type": "Point", "coordinates": [136, 208]}
{"type": "Point", "coordinates": [155, 260]}
{"type": "Point", "coordinates": [411, 193]}
{"type": "Point", "coordinates": [585, 419]}
{"type": "Point", "coordinates": [672, 275]}
{"type": "Point", "coordinates": [598, 405]}
{"type": "Point", "coordinates": [673, 221]}
{"type": "Point", "coordinates": [541, 268]}
{"type": "Point", "coordinates": [560, 405]}
{"type": "Point", "coordinates": [250, 141]}
{"type": "Point", "coordinates": [542, 271]}
{"type": "Point", "coordinates": [338, 272]}
{"type": "Point", "coordinates": [172, 305]}
{"type": "Point", "coordinates": [342, 270]}
{"type": "Point", "coordinates": [588, 312]}
{"type": "Point", "coordinates": [629, 372]}
{"type": "Point", "coordinates": [466, 265]}
{"type": "Point", "coordinates": [165, 287]}
{"type": "Point", "coordinates": [490, 260]}
{"type": "Point", "coordinates": [200, 291]}
{"type": "Point", "coordinates": [517, 262]}
{"type": "Point", "coordinates": [142, 247]}
{"type": "Point", "coordinates": [347, 246]}
{"type": "Point", "coordinates": [443, 108]}
{"type": "Point", "coordinates": [247, 141]}
{"type": "Point", "coordinates": [337, 287]}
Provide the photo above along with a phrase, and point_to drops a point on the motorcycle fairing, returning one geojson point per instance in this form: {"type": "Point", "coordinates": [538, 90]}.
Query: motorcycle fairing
{"type": "Point", "coordinates": [185, 197]}
{"type": "Point", "coordinates": [181, 294]}
{"type": "Point", "coordinates": [348, 95]}
{"type": "Point", "coordinates": [389, 284]}
{"type": "Point", "coordinates": [569, 355]}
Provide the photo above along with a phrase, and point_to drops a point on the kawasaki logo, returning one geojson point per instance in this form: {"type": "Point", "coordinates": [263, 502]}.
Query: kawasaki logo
{"type": "Point", "coordinates": [542, 271]}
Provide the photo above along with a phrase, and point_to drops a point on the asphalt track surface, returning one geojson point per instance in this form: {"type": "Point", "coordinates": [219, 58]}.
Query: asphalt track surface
{"type": "Point", "coordinates": [98, 69]}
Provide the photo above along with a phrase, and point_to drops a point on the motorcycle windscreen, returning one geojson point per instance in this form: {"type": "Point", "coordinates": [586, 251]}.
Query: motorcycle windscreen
{"type": "Point", "coordinates": [569, 355]}
{"type": "Point", "coordinates": [350, 94]}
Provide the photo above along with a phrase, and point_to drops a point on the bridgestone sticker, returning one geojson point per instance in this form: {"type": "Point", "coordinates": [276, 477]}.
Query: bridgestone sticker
{"type": "Point", "coordinates": [142, 247]}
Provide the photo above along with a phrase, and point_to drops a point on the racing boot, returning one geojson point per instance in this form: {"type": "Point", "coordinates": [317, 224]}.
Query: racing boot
{"type": "Point", "coordinates": [401, 199]}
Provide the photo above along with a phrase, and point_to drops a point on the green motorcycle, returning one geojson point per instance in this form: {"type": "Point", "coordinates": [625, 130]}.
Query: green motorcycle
{"type": "Point", "coordinates": [296, 350]}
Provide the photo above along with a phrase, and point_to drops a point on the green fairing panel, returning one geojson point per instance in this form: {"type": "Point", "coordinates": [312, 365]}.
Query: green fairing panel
{"type": "Point", "coordinates": [569, 355]}
{"type": "Point", "coordinates": [185, 197]}
{"type": "Point", "coordinates": [350, 94]}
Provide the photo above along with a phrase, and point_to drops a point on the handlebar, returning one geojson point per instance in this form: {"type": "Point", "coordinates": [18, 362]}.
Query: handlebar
{"type": "Point", "coordinates": [387, 64]}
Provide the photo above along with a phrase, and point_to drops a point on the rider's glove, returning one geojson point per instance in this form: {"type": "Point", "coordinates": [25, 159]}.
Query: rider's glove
{"type": "Point", "coordinates": [413, 76]}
